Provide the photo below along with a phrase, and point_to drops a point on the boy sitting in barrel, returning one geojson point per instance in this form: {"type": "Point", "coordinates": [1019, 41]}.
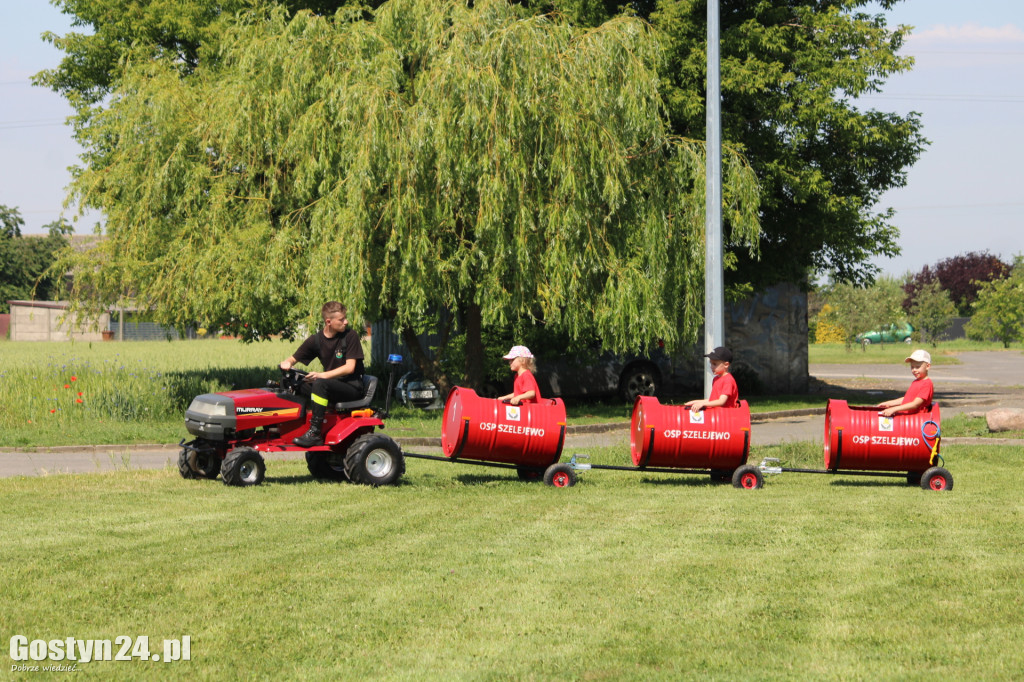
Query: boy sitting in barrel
{"type": "Point", "coordinates": [724, 392]}
{"type": "Point", "coordinates": [919, 395]}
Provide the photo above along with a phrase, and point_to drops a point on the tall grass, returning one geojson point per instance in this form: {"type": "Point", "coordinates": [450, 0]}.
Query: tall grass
{"type": "Point", "coordinates": [55, 391]}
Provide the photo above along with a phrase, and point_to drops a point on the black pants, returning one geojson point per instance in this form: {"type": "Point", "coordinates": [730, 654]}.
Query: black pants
{"type": "Point", "coordinates": [334, 390]}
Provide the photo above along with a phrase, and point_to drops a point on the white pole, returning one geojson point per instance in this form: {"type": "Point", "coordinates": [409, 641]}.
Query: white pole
{"type": "Point", "coordinates": [714, 294]}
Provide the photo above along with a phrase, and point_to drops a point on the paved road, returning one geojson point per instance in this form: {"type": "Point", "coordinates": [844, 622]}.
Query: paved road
{"type": "Point", "coordinates": [983, 381]}
{"type": "Point", "coordinates": [982, 370]}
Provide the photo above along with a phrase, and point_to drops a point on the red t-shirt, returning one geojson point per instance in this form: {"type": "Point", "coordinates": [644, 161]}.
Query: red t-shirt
{"type": "Point", "coordinates": [525, 382]}
{"type": "Point", "coordinates": [920, 388]}
{"type": "Point", "coordinates": [724, 384]}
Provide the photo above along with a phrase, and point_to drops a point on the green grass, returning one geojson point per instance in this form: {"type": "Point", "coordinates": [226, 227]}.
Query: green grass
{"type": "Point", "coordinates": [964, 426]}
{"type": "Point", "coordinates": [467, 573]}
{"type": "Point", "coordinates": [137, 392]}
{"type": "Point", "coordinates": [896, 353]}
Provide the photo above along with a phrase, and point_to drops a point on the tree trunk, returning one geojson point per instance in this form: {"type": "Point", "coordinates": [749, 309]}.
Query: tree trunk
{"type": "Point", "coordinates": [430, 368]}
{"type": "Point", "coordinates": [474, 347]}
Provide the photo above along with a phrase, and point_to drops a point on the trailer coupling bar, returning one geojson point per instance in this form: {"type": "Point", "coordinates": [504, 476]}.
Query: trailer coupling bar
{"type": "Point", "coordinates": [766, 468]}
{"type": "Point", "coordinates": [578, 465]}
{"type": "Point", "coordinates": [452, 460]}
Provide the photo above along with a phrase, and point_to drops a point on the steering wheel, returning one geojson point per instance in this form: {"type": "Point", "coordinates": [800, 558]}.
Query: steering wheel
{"type": "Point", "coordinates": [291, 379]}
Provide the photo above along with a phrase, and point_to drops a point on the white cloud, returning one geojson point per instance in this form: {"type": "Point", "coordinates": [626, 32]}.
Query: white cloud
{"type": "Point", "coordinates": [967, 34]}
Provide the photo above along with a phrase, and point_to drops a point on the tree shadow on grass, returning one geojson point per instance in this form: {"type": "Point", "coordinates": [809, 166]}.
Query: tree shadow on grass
{"type": "Point", "coordinates": [683, 480]}
{"type": "Point", "coordinates": [891, 482]}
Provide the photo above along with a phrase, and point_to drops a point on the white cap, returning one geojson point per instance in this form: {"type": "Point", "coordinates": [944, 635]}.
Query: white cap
{"type": "Point", "coordinates": [518, 352]}
{"type": "Point", "coordinates": [920, 356]}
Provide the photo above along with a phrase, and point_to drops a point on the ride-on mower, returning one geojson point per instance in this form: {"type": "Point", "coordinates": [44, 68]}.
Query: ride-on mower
{"type": "Point", "coordinates": [233, 428]}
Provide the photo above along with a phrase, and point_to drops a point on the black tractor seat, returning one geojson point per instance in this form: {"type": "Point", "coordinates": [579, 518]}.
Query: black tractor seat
{"type": "Point", "coordinates": [369, 388]}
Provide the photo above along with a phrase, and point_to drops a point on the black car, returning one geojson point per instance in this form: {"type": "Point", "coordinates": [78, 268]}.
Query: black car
{"type": "Point", "coordinates": [604, 374]}
{"type": "Point", "coordinates": [600, 375]}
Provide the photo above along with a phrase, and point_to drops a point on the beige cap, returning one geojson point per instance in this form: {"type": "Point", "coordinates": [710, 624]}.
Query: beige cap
{"type": "Point", "coordinates": [920, 356]}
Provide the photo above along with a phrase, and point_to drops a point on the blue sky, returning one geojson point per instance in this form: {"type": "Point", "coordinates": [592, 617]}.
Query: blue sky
{"type": "Point", "coordinates": [965, 194]}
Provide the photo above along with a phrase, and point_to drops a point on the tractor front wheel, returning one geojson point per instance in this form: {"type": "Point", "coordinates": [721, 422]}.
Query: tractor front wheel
{"type": "Point", "coordinates": [198, 463]}
{"type": "Point", "coordinates": [243, 467]}
{"type": "Point", "coordinates": [327, 465]}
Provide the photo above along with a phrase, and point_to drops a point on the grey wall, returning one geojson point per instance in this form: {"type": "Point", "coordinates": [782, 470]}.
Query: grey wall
{"type": "Point", "coordinates": [767, 334]}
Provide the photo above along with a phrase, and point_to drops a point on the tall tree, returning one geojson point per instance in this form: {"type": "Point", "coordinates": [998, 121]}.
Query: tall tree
{"type": "Point", "coordinates": [961, 276]}
{"type": "Point", "coordinates": [119, 31]}
{"type": "Point", "coordinates": [859, 309]}
{"type": "Point", "coordinates": [25, 260]}
{"type": "Point", "coordinates": [791, 75]}
{"type": "Point", "coordinates": [503, 166]}
{"type": "Point", "coordinates": [792, 71]}
{"type": "Point", "coordinates": [931, 311]}
{"type": "Point", "coordinates": [999, 308]}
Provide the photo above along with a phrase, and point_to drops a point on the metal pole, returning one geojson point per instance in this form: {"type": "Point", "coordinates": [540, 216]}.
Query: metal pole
{"type": "Point", "coordinates": [714, 295]}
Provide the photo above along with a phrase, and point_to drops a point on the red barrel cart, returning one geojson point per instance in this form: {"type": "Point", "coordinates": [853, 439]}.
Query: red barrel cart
{"type": "Point", "coordinates": [488, 432]}
{"type": "Point", "coordinates": [674, 439]}
{"type": "Point", "coordinates": [859, 441]}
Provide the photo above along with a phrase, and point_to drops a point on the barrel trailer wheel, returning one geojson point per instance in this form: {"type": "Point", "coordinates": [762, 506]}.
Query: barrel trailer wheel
{"type": "Point", "coordinates": [748, 477]}
{"type": "Point", "coordinates": [560, 475]}
{"type": "Point", "coordinates": [243, 467]}
{"type": "Point", "coordinates": [937, 478]}
{"type": "Point", "coordinates": [529, 474]}
{"type": "Point", "coordinates": [721, 475]}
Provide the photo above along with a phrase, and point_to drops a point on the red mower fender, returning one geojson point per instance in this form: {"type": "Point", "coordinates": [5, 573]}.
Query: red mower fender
{"type": "Point", "coordinates": [345, 427]}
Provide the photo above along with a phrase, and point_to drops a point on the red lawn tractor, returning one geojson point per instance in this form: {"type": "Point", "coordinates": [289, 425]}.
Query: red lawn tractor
{"type": "Point", "coordinates": [233, 429]}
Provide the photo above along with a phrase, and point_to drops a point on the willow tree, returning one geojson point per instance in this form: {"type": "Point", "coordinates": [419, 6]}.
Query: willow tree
{"type": "Point", "coordinates": [504, 167]}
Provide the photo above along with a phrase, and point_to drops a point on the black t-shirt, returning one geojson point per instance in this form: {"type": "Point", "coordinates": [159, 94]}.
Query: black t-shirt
{"type": "Point", "coordinates": [333, 352]}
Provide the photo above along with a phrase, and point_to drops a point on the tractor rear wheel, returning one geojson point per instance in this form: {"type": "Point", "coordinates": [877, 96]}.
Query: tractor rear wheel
{"type": "Point", "coordinates": [374, 459]}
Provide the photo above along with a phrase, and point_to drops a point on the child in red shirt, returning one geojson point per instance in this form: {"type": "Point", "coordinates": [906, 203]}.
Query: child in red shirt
{"type": "Point", "coordinates": [724, 392]}
{"type": "Point", "coordinates": [525, 389]}
{"type": "Point", "coordinates": [919, 396]}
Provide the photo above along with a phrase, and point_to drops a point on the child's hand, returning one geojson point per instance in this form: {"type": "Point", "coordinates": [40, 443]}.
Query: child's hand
{"type": "Point", "coordinates": [888, 412]}
{"type": "Point", "coordinates": [514, 400]}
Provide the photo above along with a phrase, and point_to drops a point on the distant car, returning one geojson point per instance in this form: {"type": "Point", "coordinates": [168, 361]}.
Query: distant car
{"type": "Point", "coordinates": [605, 374]}
{"type": "Point", "coordinates": [415, 390]}
{"type": "Point", "coordinates": [894, 333]}
{"type": "Point", "coordinates": [599, 376]}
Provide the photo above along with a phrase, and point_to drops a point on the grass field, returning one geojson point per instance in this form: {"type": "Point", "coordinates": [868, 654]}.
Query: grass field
{"type": "Point", "coordinates": [466, 573]}
{"type": "Point", "coordinates": [895, 353]}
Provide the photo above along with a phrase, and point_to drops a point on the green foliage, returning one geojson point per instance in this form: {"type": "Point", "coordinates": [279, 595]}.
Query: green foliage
{"type": "Point", "coordinates": [26, 259]}
{"type": "Point", "coordinates": [118, 32]}
{"type": "Point", "coordinates": [961, 276]}
{"type": "Point", "coordinates": [437, 157]}
{"type": "Point", "coordinates": [999, 310]}
{"type": "Point", "coordinates": [860, 309]}
{"type": "Point", "coordinates": [931, 311]}
{"type": "Point", "coordinates": [791, 74]}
